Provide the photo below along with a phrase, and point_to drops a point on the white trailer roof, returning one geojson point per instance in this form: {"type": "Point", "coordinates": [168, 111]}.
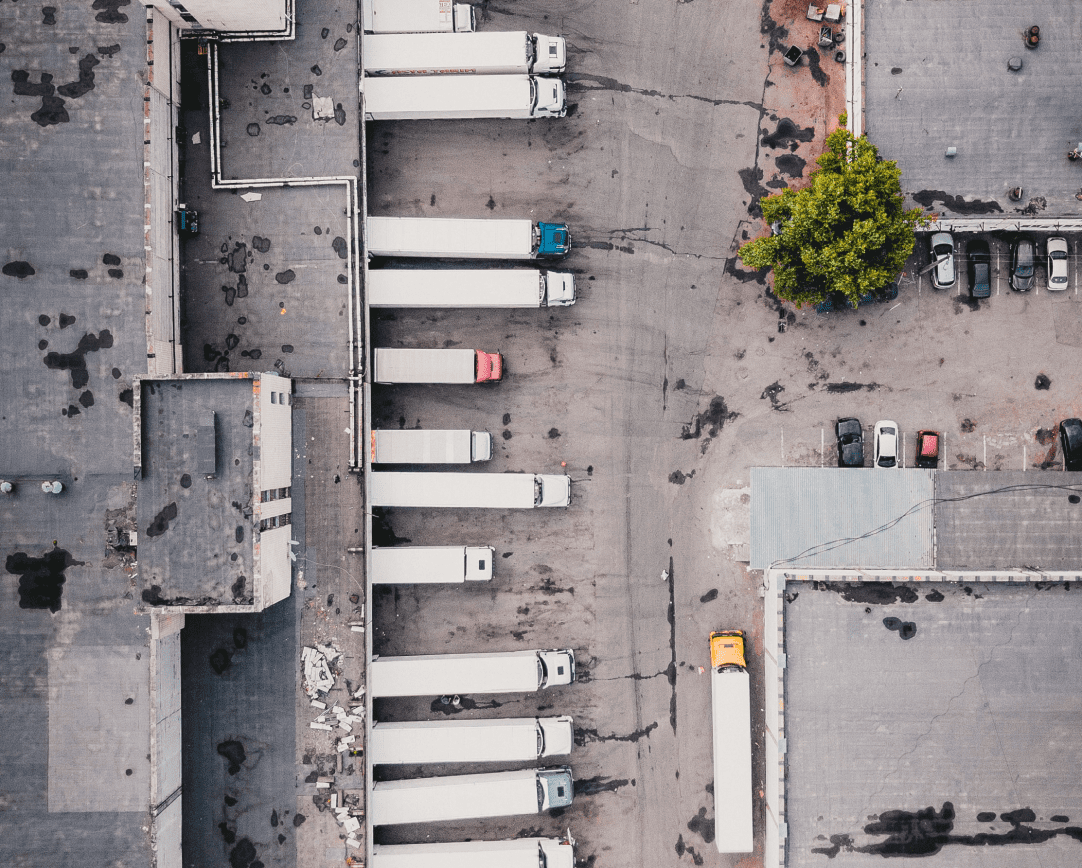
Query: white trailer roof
{"type": "Point", "coordinates": [445, 489]}
{"type": "Point", "coordinates": [455, 741]}
{"type": "Point", "coordinates": [520, 853]}
{"type": "Point", "coordinates": [400, 365]}
{"type": "Point", "coordinates": [446, 236]}
{"type": "Point", "coordinates": [430, 564]}
{"type": "Point", "coordinates": [426, 800]}
{"type": "Point", "coordinates": [454, 287]}
{"type": "Point", "coordinates": [421, 446]}
{"type": "Point", "coordinates": [466, 93]}
{"type": "Point", "coordinates": [439, 674]}
{"type": "Point", "coordinates": [732, 760]}
{"type": "Point", "coordinates": [466, 52]}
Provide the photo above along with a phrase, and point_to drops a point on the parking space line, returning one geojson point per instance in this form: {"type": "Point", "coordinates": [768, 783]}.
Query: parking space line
{"type": "Point", "coordinates": [822, 447]}
{"type": "Point", "coordinates": [901, 458]}
{"type": "Point", "coordinates": [1023, 457]}
{"type": "Point", "coordinates": [985, 438]}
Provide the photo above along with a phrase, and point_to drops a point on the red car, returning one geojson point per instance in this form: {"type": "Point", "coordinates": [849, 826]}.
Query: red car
{"type": "Point", "coordinates": [928, 449]}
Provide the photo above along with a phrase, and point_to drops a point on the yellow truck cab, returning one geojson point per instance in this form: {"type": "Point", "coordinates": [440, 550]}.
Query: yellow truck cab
{"type": "Point", "coordinates": [727, 649]}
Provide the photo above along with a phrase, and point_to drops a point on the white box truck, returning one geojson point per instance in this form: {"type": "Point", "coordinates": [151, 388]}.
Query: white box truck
{"type": "Point", "coordinates": [395, 365]}
{"type": "Point", "coordinates": [421, 565]}
{"type": "Point", "coordinates": [416, 16]}
{"type": "Point", "coordinates": [468, 490]}
{"type": "Point", "coordinates": [470, 741]}
{"type": "Point", "coordinates": [418, 446]}
{"type": "Point", "coordinates": [461, 797]}
{"type": "Point", "coordinates": [443, 674]}
{"type": "Point", "coordinates": [466, 238]}
{"type": "Point", "coordinates": [451, 97]}
{"type": "Point", "coordinates": [503, 53]}
{"type": "Point", "coordinates": [517, 853]}
{"type": "Point", "coordinates": [469, 287]}
{"type": "Point", "coordinates": [729, 687]}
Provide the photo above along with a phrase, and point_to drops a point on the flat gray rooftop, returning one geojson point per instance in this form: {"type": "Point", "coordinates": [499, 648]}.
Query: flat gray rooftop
{"type": "Point", "coordinates": [821, 517]}
{"type": "Point", "coordinates": [936, 76]}
{"type": "Point", "coordinates": [958, 740]}
{"type": "Point", "coordinates": [74, 718]}
{"type": "Point", "coordinates": [195, 533]}
{"type": "Point", "coordinates": [1008, 520]}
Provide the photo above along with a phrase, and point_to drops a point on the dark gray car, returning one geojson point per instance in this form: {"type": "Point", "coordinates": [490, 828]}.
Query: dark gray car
{"type": "Point", "coordinates": [1023, 264]}
{"type": "Point", "coordinates": [850, 436]}
{"type": "Point", "coordinates": [980, 269]}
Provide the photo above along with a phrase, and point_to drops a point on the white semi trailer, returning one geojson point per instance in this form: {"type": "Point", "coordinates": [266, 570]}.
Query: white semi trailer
{"type": "Point", "coordinates": [443, 674]}
{"type": "Point", "coordinates": [451, 366]}
{"type": "Point", "coordinates": [452, 97]}
{"type": "Point", "coordinates": [469, 490]}
{"type": "Point", "coordinates": [461, 797]}
{"type": "Point", "coordinates": [416, 16]}
{"type": "Point", "coordinates": [466, 238]}
{"type": "Point", "coordinates": [729, 687]}
{"type": "Point", "coordinates": [419, 565]}
{"type": "Point", "coordinates": [470, 741]}
{"type": "Point", "coordinates": [498, 53]}
{"type": "Point", "coordinates": [419, 446]}
{"type": "Point", "coordinates": [517, 853]}
{"type": "Point", "coordinates": [469, 287]}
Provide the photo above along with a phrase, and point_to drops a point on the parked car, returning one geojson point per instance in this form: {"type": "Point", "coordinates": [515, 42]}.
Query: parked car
{"type": "Point", "coordinates": [1057, 263]}
{"type": "Point", "coordinates": [839, 301]}
{"type": "Point", "coordinates": [980, 269]}
{"type": "Point", "coordinates": [943, 275]}
{"type": "Point", "coordinates": [927, 449]}
{"type": "Point", "coordinates": [1070, 440]}
{"type": "Point", "coordinates": [1023, 264]}
{"type": "Point", "coordinates": [886, 444]}
{"type": "Point", "coordinates": [850, 436]}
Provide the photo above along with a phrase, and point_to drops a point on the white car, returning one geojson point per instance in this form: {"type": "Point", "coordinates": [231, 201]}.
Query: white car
{"type": "Point", "coordinates": [886, 444]}
{"type": "Point", "coordinates": [1057, 263]}
{"type": "Point", "coordinates": [943, 276]}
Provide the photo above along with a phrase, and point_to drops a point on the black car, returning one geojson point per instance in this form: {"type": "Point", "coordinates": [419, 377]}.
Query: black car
{"type": "Point", "coordinates": [1070, 441]}
{"type": "Point", "coordinates": [850, 436]}
{"type": "Point", "coordinates": [1023, 264]}
{"type": "Point", "coordinates": [980, 269]}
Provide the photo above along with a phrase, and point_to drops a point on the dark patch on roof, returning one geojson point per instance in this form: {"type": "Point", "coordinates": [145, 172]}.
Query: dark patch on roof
{"type": "Point", "coordinates": [75, 362]}
{"type": "Point", "coordinates": [876, 593]}
{"type": "Point", "coordinates": [340, 246]}
{"type": "Point", "coordinates": [234, 752]}
{"type": "Point", "coordinates": [956, 204]}
{"type": "Point", "coordinates": [41, 580]}
{"type": "Point", "coordinates": [20, 269]}
{"type": "Point", "coordinates": [161, 521]}
{"type": "Point", "coordinates": [85, 83]}
{"type": "Point", "coordinates": [111, 13]}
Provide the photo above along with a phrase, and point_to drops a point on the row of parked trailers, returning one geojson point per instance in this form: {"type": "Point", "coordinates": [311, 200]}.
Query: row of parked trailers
{"type": "Point", "coordinates": [454, 73]}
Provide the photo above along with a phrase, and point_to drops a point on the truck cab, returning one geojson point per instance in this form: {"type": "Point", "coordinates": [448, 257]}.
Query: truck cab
{"type": "Point", "coordinates": [489, 369]}
{"type": "Point", "coordinates": [549, 98]}
{"type": "Point", "coordinates": [727, 650]}
{"type": "Point", "coordinates": [552, 490]}
{"type": "Point", "coordinates": [554, 788]}
{"type": "Point", "coordinates": [555, 668]}
{"type": "Point", "coordinates": [548, 54]}
{"type": "Point", "coordinates": [557, 289]}
{"type": "Point", "coordinates": [554, 239]}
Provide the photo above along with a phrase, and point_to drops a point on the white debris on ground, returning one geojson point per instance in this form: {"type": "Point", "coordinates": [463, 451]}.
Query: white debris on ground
{"type": "Point", "coordinates": [318, 676]}
{"type": "Point", "coordinates": [319, 679]}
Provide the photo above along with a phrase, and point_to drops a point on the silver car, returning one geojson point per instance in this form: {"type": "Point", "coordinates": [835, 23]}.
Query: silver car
{"type": "Point", "coordinates": [943, 275]}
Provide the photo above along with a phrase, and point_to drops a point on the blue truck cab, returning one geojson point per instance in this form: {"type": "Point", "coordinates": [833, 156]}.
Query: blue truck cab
{"type": "Point", "coordinates": [554, 241]}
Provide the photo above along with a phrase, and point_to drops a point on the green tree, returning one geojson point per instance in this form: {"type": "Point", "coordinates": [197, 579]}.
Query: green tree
{"type": "Point", "coordinates": [848, 232]}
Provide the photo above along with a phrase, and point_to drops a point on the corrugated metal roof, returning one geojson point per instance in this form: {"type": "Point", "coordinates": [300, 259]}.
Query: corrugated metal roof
{"type": "Point", "coordinates": [841, 517]}
{"type": "Point", "coordinates": [1008, 520]}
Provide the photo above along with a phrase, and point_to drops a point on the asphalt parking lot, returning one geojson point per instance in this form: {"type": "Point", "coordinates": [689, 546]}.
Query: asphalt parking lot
{"type": "Point", "coordinates": [957, 740]}
{"type": "Point", "coordinates": [675, 373]}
